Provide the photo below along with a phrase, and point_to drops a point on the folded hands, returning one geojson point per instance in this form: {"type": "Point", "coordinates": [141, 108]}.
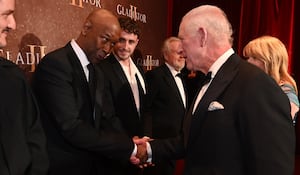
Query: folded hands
{"type": "Point", "coordinates": [141, 157]}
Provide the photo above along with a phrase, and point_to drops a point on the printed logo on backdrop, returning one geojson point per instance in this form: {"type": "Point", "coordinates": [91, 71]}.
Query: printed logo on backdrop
{"type": "Point", "coordinates": [28, 58]}
{"type": "Point", "coordinates": [148, 63]}
{"type": "Point", "coordinates": [82, 3]}
{"type": "Point", "coordinates": [132, 12]}
{"type": "Point", "coordinates": [135, 14]}
{"type": "Point", "coordinates": [30, 52]}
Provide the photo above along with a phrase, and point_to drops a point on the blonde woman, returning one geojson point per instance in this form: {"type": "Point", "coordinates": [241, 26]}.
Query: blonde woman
{"type": "Point", "coordinates": [270, 54]}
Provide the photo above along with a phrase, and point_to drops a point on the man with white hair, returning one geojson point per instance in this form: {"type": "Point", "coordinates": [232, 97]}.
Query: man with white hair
{"type": "Point", "coordinates": [239, 123]}
{"type": "Point", "coordinates": [166, 102]}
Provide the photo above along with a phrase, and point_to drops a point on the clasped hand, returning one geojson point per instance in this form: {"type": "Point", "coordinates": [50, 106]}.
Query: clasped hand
{"type": "Point", "coordinates": [141, 157]}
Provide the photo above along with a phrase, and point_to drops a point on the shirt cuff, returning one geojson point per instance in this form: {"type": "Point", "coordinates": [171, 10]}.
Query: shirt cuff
{"type": "Point", "coordinates": [149, 152]}
{"type": "Point", "coordinates": [133, 154]}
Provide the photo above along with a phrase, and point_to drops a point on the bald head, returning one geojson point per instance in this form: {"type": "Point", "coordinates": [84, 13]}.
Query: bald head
{"type": "Point", "coordinates": [100, 32]}
{"type": "Point", "coordinates": [101, 16]}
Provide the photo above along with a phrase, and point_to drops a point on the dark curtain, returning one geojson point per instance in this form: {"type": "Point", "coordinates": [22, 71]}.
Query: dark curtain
{"type": "Point", "coordinates": [267, 17]}
{"type": "Point", "coordinates": [170, 18]}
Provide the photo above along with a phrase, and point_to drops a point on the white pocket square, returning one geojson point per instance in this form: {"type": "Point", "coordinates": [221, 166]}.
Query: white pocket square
{"type": "Point", "coordinates": [215, 106]}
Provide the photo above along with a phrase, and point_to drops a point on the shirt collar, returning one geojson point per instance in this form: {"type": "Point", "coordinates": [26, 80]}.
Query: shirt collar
{"type": "Point", "coordinates": [80, 54]}
{"type": "Point", "coordinates": [173, 71]}
{"type": "Point", "coordinates": [219, 62]}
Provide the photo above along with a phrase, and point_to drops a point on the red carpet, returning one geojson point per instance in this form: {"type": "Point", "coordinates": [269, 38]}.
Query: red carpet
{"type": "Point", "coordinates": [297, 165]}
{"type": "Point", "coordinates": [179, 167]}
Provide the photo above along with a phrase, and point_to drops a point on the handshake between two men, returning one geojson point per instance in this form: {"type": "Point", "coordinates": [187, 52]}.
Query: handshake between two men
{"type": "Point", "coordinates": [141, 158]}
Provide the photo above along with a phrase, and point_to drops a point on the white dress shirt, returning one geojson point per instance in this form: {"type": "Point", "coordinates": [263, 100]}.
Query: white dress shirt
{"type": "Point", "coordinates": [130, 72]}
{"type": "Point", "coordinates": [82, 58]}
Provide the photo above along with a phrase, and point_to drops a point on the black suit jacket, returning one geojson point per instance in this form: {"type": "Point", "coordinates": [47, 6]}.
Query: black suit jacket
{"type": "Point", "coordinates": [252, 135]}
{"type": "Point", "coordinates": [22, 139]}
{"type": "Point", "coordinates": [165, 107]}
{"type": "Point", "coordinates": [123, 98]}
{"type": "Point", "coordinates": [164, 103]}
{"type": "Point", "coordinates": [76, 138]}
{"type": "Point", "coordinates": [125, 108]}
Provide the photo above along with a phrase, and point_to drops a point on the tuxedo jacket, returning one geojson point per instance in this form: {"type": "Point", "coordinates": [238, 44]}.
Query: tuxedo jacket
{"type": "Point", "coordinates": [123, 98]}
{"type": "Point", "coordinates": [22, 139]}
{"type": "Point", "coordinates": [252, 135]}
{"type": "Point", "coordinates": [77, 137]}
{"type": "Point", "coordinates": [164, 103]}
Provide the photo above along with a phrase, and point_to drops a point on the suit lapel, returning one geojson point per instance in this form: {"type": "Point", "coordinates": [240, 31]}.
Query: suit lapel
{"type": "Point", "coordinates": [141, 90]}
{"type": "Point", "coordinates": [76, 65]}
{"type": "Point", "coordinates": [171, 82]}
{"type": "Point", "coordinates": [118, 69]}
{"type": "Point", "coordinates": [79, 81]}
{"type": "Point", "coordinates": [121, 75]}
{"type": "Point", "coordinates": [218, 85]}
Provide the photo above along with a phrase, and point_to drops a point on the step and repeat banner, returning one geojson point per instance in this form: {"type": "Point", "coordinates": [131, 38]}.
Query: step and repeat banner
{"type": "Point", "coordinates": [43, 26]}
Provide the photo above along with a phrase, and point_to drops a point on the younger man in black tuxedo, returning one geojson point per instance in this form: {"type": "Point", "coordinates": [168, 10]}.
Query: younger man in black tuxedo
{"type": "Point", "coordinates": [127, 86]}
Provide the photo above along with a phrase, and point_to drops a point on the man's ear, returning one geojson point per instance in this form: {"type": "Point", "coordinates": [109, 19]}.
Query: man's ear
{"type": "Point", "coordinates": [203, 36]}
{"type": "Point", "coordinates": [137, 42]}
{"type": "Point", "coordinates": [86, 27]}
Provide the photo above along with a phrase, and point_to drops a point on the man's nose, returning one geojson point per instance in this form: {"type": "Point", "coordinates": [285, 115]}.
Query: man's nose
{"type": "Point", "coordinates": [11, 22]}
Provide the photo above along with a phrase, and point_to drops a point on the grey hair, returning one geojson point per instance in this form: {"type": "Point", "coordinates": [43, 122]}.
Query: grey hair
{"type": "Point", "coordinates": [213, 19]}
{"type": "Point", "coordinates": [166, 44]}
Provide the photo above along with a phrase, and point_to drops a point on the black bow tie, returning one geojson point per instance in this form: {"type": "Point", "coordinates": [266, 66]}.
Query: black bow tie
{"type": "Point", "coordinates": [206, 79]}
{"type": "Point", "coordinates": [180, 75]}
